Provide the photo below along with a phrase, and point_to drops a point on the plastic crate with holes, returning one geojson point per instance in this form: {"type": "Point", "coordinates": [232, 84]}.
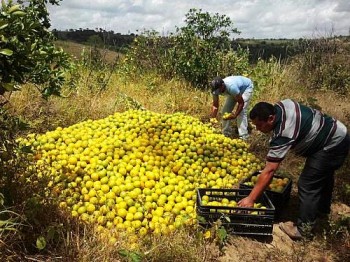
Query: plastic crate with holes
{"type": "Point", "coordinates": [220, 206]}
{"type": "Point", "coordinates": [278, 191]}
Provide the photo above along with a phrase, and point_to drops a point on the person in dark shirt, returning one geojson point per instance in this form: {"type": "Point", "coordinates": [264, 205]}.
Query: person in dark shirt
{"type": "Point", "coordinates": [321, 139]}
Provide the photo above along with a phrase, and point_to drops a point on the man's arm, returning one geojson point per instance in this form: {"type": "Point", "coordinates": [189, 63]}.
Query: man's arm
{"type": "Point", "coordinates": [215, 107]}
{"type": "Point", "coordinates": [264, 180]}
{"type": "Point", "coordinates": [240, 105]}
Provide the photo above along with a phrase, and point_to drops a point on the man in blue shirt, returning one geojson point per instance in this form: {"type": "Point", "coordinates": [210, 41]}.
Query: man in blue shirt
{"type": "Point", "coordinates": [321, 139]}
{"type": "Point", "coordinates": [237, 89]}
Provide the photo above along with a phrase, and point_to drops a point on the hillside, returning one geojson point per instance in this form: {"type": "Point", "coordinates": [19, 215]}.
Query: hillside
{"type": "Point", "coordinates": [76, 50]}
{"type": "Point", "coordinates": [258, 48]}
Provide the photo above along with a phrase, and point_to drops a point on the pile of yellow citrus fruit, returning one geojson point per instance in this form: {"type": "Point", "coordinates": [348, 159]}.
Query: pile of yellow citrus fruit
{"type": "Point", "coordinates": [225, 202]}
{"type": "Point", "coordinates": [138, 171]}
{"type": "Point", "coordinates": [277, 184]}
{"type": "Point", "coordinates": [206, 201]}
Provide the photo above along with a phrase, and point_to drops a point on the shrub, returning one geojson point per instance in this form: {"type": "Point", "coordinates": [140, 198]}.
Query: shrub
{"type": "Point", "coordinates": [27, 52]}
{"type": "Point", "coordinates": [196, 53]}
{"type": "Point", "coordinates": [324, 64]}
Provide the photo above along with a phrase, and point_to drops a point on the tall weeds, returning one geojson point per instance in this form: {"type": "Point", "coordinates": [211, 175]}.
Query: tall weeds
{"type": "Point", "coordinates": [324, 65]}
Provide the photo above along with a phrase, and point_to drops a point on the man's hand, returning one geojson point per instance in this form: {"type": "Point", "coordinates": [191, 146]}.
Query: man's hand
{"type": "Point", "coordinates": [228, 116]}
{"type": "Point", "coordinates": [213, 121]}
{"type": "Point", "coordinates": [246, 202]}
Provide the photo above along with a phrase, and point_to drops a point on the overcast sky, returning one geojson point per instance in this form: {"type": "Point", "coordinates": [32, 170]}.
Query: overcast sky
{"type": "Point", "coordinates": [254, 18]}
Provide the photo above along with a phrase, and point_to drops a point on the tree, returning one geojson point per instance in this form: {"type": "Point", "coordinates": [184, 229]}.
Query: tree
{"type": "Point", "coordinates": [203, 47]}
{"type": "Point", "coordinates": [209, 27]}
{"type": "Point", "coordinates": [196, 52]}
{"type": "Point", "coordinates": [27, 52]}
{"type": "Point", "coordinates": [95, 40]}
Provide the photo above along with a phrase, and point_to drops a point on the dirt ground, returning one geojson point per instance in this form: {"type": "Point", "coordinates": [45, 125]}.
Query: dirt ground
{"type": "Point", "coordinates": [280, 247]}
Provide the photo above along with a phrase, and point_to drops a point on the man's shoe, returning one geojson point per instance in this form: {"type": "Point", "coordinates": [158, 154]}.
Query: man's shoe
{"type": "Point", "coordinates": [291, 230]}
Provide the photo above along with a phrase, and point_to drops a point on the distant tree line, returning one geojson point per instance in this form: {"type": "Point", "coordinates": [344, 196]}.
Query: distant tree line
{"type": "Point", "coordinates": [258, 48]}
{"type": "Point", "coordinates": [98, 37]}
{"type": "Point", "coordinates": [267, 48]}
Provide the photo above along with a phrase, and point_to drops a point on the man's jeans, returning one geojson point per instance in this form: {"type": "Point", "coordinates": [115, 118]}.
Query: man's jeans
{"type": "Point", "coordinates": [242, 118]}
{"type": "Point", "coordinates": [315, 185]}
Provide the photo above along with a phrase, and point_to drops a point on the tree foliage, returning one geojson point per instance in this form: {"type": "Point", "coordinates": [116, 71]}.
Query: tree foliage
{"type": "Point", "coordinates": [27, 52]}
{"type": "Point", "coordinates": [214, 28]}
{"type": "Point", "coordinates": [203, 47]}
{"type": "Point", "coordinates": [196, 52]}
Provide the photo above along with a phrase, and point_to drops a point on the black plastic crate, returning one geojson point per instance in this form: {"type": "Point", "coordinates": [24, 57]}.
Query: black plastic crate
{"type": "Point", "coordinates": [278, 199]}
{"type": "Point", "coordinates": [236, 220]}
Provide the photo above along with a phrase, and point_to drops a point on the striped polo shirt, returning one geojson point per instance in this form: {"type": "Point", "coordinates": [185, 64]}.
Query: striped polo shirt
{"type": "Point", "coordinates": [302, 129]}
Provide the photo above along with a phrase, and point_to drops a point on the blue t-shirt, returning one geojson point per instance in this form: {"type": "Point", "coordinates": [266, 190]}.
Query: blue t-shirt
{"type": "Point", "coordinates": [235, 85]}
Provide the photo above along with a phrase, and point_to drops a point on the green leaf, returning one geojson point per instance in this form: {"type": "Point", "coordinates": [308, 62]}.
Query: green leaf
{"type": "Point", "coordinates": [123, 252]}
{"type": "Point", "coordinates": [26, 149]}
{"type": "Point", "coordinates": [201, 219]}
{"type": "Point", "coordinates": [135, 257]}
{"type": "Point", "coordinates": [3, 39]}
{"type": "Point", "coordinates": [19, 13]}
{"type": "Point", "coordinates": [227, 218]}
{"type": "Point", "coordinates": [222, 234]}
{"type": "Point", "coordinates": [23, 125]}
{"type": "Point", "coordinates": [8, 86]}
{"type": "Point", "coordinates": [33, 46]}
{"type": "Point", "coordinates": [40, 243]}
{"type": "Point", "coordinates": [3, 24]}
{"type": "Point", "coordinates": [7, 52]}
{"type": "Point", "coordinates": [51, 233]}
{"type": "Point", "coordinates": [14, 8]}
{"type": "Point", "coordinates": [131, 255]}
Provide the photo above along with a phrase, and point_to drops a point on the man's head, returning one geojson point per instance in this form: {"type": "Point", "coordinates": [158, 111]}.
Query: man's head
{"type": "Point", "coordinates": [217, 85]}
{"type": "Point", "coordinates": [263, 116]}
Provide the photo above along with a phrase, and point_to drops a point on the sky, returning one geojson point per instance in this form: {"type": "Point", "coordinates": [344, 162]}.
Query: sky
{"type": "Point", "coordinates": [257, 19]}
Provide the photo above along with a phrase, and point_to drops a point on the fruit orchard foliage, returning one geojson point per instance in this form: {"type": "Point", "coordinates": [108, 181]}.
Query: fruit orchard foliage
{"type": "Point", "coordinates": [27, 52]}
{"type": "Point", "coordinates": [196, 52]}
{"type": "Point", "coordinates": [137, 170]}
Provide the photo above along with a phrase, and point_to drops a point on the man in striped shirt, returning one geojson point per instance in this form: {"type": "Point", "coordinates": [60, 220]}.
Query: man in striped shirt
{"type": "Point", "coordinates": [308, 132]}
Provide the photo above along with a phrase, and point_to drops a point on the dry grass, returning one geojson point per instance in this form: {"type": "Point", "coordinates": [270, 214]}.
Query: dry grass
{"type": "Point", "coordinates": [83, 103]}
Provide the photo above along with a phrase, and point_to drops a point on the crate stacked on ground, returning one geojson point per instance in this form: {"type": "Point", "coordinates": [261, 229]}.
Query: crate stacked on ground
{"type": "Point", "coordinates": [278, 191]}
{"type": "Point", "coordinates": [220, 206]}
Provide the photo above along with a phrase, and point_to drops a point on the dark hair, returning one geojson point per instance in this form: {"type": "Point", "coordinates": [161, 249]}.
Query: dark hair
{"type": "Point", "coordinates": [262, 111]}
{"type": "Point", "coordinates": [216, 83]}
